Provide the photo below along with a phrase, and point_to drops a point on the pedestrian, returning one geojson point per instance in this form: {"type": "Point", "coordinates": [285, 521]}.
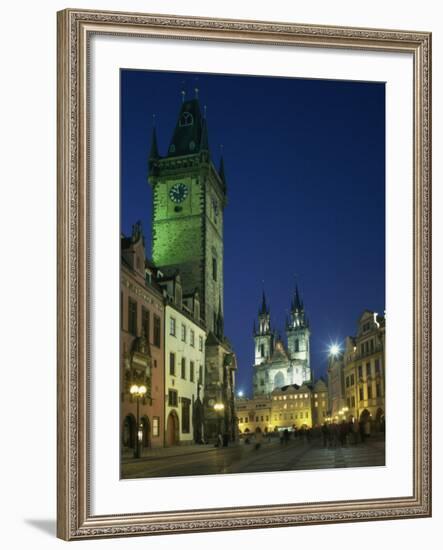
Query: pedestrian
{"type": "Point", "coordinates": [219, 442]}
{"type": "Point", "coordinates": [286, 435]}
{"type": "Point", "coordinates": [355, 430]}
{"type": "Point", "coordinates": [258, 438]}
{"type": "Point", "coordinates": [361, 426]}
{"type": "Point", "coordinates": [343, 433]}
{"type": "Point", "coordinates": [325, 434]}
{"type": "Point", "coordinates": [367, 428]}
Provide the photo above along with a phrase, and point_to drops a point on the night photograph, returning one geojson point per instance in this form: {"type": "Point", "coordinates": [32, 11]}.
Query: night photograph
{"type": "Point", "coordinates": [252, 279]}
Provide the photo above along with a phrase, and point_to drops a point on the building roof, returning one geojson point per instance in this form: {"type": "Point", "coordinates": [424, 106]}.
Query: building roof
{"type": "Point", "coordinates": [190, 134]}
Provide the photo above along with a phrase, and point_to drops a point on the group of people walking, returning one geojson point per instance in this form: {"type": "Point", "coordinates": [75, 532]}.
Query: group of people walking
{"type": "Point", "coordinates": [334, 434]}
{"type": "Point", "coordinates": [345, 433]}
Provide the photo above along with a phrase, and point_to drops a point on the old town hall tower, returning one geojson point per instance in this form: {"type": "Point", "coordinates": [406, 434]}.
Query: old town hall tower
{"type": "Point", "coordinates": [189, 196]}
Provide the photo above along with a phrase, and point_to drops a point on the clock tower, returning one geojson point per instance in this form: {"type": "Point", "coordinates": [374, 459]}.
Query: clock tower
{"type": "Point", "coordinates": [189, 197]}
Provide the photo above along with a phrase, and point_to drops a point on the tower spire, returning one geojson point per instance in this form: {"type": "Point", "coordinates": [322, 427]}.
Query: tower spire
{"type": "Point", "coordinates": [264, 308]}
{"type": "Point", "coordinates": [153, 154]}
{"type": "Point", "coordinates": [221, 169]}
{"type": "Point", "coordinates": [204, 143]}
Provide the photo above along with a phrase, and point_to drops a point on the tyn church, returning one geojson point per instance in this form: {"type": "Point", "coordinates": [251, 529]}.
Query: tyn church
{"type": "Point", "coordinates": [277, 365]}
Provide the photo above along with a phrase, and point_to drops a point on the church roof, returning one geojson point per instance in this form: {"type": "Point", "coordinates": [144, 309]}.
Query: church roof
{"type": "Point", "coordinates": [190, 134]}
{"type": "Point", "coordinates": [280, 354]}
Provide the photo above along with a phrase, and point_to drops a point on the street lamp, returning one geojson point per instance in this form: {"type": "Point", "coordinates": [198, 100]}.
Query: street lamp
{"type": "Point", "coordinates": [240, 394]}
{"type": "Point", "coordinates": [334, 350]}
{"type": "Point", "coordinates": [138, 392]}
{"type": "Point", "coordinates": [219, 408]}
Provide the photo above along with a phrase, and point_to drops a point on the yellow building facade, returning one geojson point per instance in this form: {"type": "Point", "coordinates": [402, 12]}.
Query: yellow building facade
{"type": "Point", "coordinates": [364, 370]}
{"type": "Point", "coordinates": [304, 406]}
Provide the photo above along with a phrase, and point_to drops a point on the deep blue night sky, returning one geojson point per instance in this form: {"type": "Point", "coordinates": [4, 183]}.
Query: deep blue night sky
{"type": "Point", "coordinates": [305, 169]}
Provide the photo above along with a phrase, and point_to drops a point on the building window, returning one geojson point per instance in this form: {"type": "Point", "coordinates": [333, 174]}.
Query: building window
{"type": "Point", "coordinates": [172, 326]}
{"type": "Point", "coordinates": [157, 331]}
{"type": "Point", "coordinates": [156, 426]}
{"type": "Point", "coordinates": [372, 345]}
{"type": "Point", "coordinates": [200, 374]}
{"type": "Point", "coordinates": [377, 366]}
{"type": "Point", "coordinates": [132, 317]}
{"type": "Point", "coordinates": [172, 364]}
{"type": "Point", "coordinates": [352, 380]}
{"type": "Point", "coordinates": [200, 343]}
{"type": "Point", "coordinates": [352, 401]}
{"type": "Point", "coordinates": [191, 371]}
{"type": "Point", "coordinates": [183, 368]}
{"type": "Point", "coordinates": [172, 398]}
{"type": "Point", "coordinates": [186, 424]}
{"type": "Point", "coordinates": [262, 350]}
{"type": "Point", "coordinates": [360, 371]}
{"type": "Point", "coordinates": [377, 390]}
{"type": "Point", "coordinates": [296, 345]}
{"type": "Point", "coordinates": [146, 318]}
{"type": "Point", "coordinates": [369, 391]}
{"type": "Point", "coordinates": [192, 338]}
{"type": "Point", "coordinates": [347, 381]}
{"type": "Point", "coordinates": [368, 369]}
{"type": "Point", "coordinates": [214, 268]}
{"type": "Point", "coordinates": [361, 394]}
{"type": "Point", "coordinates": [183, 333]}
{"type": "Point", "coordinates": [267, 419]}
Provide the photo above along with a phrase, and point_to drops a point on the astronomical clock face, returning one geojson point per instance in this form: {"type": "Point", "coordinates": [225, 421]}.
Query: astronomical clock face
{"type": "Point", "coordinates": [178, 193]}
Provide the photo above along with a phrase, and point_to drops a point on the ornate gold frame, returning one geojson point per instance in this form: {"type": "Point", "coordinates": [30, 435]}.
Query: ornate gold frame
{"type": "Point", "coordinates": [74, 517]}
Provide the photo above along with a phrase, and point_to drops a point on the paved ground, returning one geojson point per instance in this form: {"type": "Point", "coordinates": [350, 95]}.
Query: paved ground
{"type": "Point", "coordinates": [296, 455]}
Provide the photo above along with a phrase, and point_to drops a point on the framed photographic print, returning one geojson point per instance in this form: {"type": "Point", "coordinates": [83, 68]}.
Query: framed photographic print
{"type": "Point", "coordinates": [244, 293]}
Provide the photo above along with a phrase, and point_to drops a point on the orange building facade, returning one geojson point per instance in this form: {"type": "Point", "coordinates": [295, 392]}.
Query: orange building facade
{"type": "Point", "coordinates": [141, 349]}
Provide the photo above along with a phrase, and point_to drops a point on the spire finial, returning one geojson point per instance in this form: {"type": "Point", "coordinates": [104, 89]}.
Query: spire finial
{"type": "Point", "coordinates": [183, 93]}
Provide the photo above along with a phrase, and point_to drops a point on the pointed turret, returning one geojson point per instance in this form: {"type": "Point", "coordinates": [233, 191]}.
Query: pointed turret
{"type": "Point", "coordinates": [204, 143]}
{"type": "Point", "coordinates": [219, 329]}
{"type": "Point", "coordinates": [298, 335]}
{"type": "Point", "coordinates": [264, 309]}
{"type": "Point", "coordinates": [263, 335]}
{"type": "Point", "coordinates": [221, 170]}
{"type": "Point", "coordinates": [296, 304]}
{"type": "Point", "coordinates": [154, 154]}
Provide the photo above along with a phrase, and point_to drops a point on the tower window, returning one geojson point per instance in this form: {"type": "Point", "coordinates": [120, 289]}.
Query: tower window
{"type": "Point", "coordinates": [186, 119]}
{"type": "Point", "coordinates": [214, 268]}
{"type": "Point", "coordinates": [262, 350]}
{"type": "Point", "coordinates": [296, 345]}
